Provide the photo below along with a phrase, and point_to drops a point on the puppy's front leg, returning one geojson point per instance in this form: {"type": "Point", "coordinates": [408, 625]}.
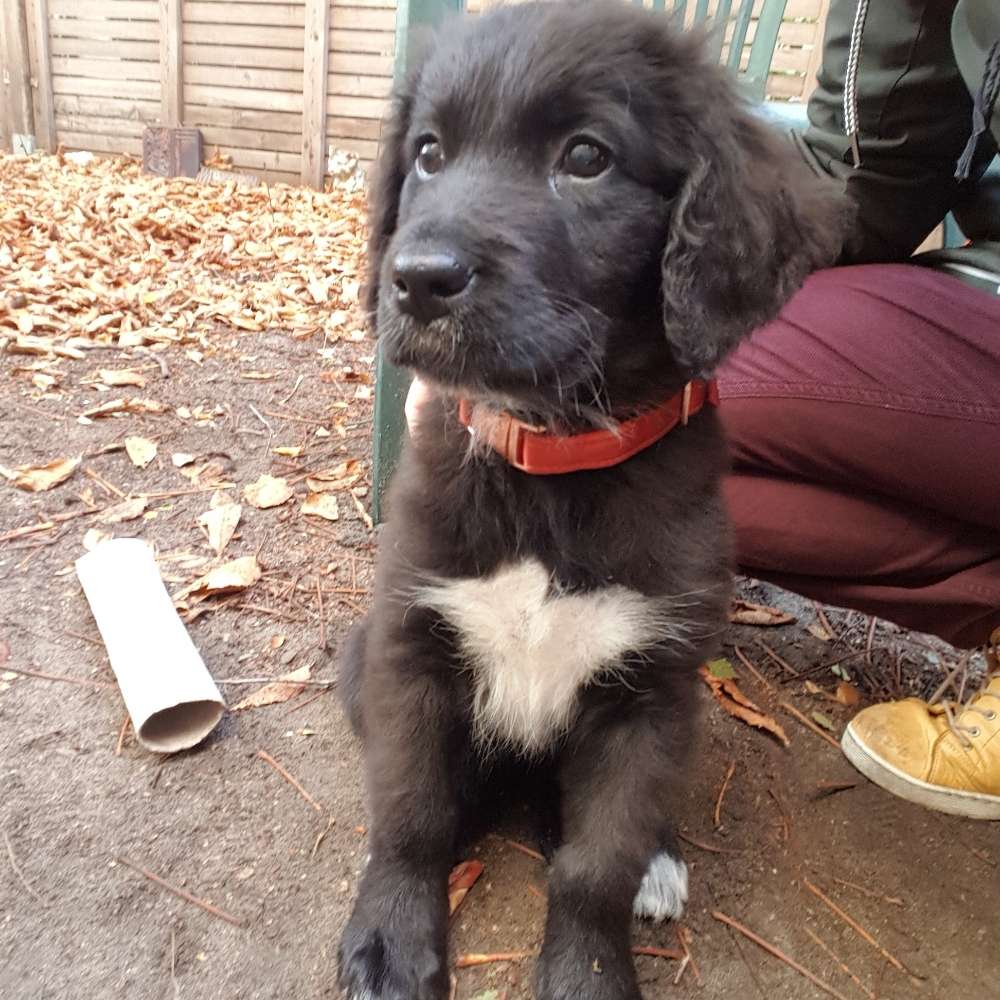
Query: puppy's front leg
{"type": "Point", "coordinates": [394, 945]}
{"type": "Point", "coordinates": [618, 774]}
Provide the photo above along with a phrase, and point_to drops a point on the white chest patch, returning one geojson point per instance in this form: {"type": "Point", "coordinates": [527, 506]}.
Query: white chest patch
{"type": "Point", "coordinates": [532, 648]}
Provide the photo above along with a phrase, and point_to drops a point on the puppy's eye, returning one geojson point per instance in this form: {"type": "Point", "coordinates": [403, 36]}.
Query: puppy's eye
{"type": "Point", "coordinates": [430, 158]}
{"type": "Point", "coordinates": [585, 158]}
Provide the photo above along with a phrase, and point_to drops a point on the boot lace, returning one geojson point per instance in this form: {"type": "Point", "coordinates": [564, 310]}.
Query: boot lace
{"type": "Point", "coordinates": [955, 709]}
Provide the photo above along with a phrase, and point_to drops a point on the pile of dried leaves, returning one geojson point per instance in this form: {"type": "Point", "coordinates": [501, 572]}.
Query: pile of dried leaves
{"type": "Point", "coordinates": [97, 251]}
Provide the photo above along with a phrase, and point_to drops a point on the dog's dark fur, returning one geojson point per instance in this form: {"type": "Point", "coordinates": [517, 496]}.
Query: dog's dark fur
{"type": "Point", "coordinates": [590, 300]}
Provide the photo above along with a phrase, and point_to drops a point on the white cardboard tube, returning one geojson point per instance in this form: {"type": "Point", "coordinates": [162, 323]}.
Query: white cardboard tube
{"type": "Point", "coordinates": [168, 692]}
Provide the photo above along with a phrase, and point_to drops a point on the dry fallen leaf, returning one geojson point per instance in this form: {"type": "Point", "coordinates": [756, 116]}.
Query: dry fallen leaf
{"type": "Point", "coordinates": [140, 450]}
{"type": "Point", "coordinates": [322, 505]}
{"type": "Point", "coordinates": [219, 524]}
{"type": "Point", "coordinates": [817, 631]}
{"type": "Point", "coordinates": [285, 687]}
{"type": "Point", "coordinates": [728, 694]}
{"type": "Point", "coordinates": [825, 721]}
{"type": "Point", "coordinates": [747, 613]}
{"type": "Point", "coordinates": [338, 478]}
{"type": "Point", "coordinates": [461, 879]}
{"type": "Point", "coordinates": [268, 491]}
{"type": "Point", "coordinates": [848, 694]}
{"type": "Point", "coordinates": [289, 451]}
{"type": "Point", "coordinates": [127, 510]}
{"type": "Point", "coordinates": [36, 478]}
{"type": "Point", "coordinates": [236, 575]}
{"type": "Point", "coordinates": [122, 376]}
{"type": "Point", "coordinates": [94, 537]}
{"type": "Point", "coordinates": [182, 458]}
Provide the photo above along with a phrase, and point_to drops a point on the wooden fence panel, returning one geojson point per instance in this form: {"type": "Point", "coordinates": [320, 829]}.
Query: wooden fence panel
{"type": "Point", "coordinates": [274, 84]}
{"type": "Point", "coordinates": [362, 46]}
{"type": "Point", "coordinates": [244, 82]}
{"type": "Point", "coordinates": [105, 72]}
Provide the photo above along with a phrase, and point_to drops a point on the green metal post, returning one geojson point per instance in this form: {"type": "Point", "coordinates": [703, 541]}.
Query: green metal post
{"type": "Point", "coordinates": [415, 20]}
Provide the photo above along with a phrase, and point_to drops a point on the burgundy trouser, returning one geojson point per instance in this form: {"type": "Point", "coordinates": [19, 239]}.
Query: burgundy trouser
{"type": "Point", "coordinates": [865, 429]}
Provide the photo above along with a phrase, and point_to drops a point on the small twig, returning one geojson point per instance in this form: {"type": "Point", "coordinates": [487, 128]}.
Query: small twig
{"type": "Point", "coordinates": [308, 701]}
{"type": "Point", "coordinates": [84, 638]}
{"type": "Point", "coordinates": [265, 610]}
{"type": "Point", "coordinates": [717, 815]}
{"type": "Point", "coordinates": [824, 621]}
{"type": "Point", "coordinates": [267, 758]}
{"type": "Point", "coordinates": [322, 617]}
{"type": "Point", "coordinates": [185, 492]}
{"type": "Point", "coordinates": [673, 954]}
{"type": "Point", "coordinates": [260, 417]}
{"type": "Point", "coordinates": [682, 936]}
{"type": "Point", "coordinates": [535, 891]}
{"type": "Point", "coordinates": [711, 848]}
{"type": "Point", "coordinates": [895, 901]}
{"type": "Point", "coordinates": [173, 964]}
{"type": "Point", "coordinates": [785, 822]}
{"type": "Point", "coordinates": [844, 968]}
{"type": "Point", "coordinates": [809, 724]}
{"type": "Point", "coordinates": [824, 789]}
{"type": "Point", "coordinates": [870, 638]}
{"type": "Point", "coordinates": [525, 850]}
{"type": "Point", "coordinates": [330, 823]}
{"type": "Point", "coordinates": [158, 357]}
{"type": "Point", "coordinates": [822, 668]}
{"type": "Point", "coordinates": [275, 680]}
{"type": "Point", "coordinates": [48, 524]}
{"type": "Point", "coordinates": [86, 681]}
{"type": "Point", "coordinates": [17, 869]}
{"type": "Point", "coordinates": [745, 660]}
{"type": "Point", "coordinates": [854, 925]}
{"type": "Point", "coordinates": [685, 961]}
{"type": "Point", "coordinates": [783, 663]}
{"type": "Point", "coordinates": [295, 389]}
{"type": "Point", "coordinates": [104, 484]}
{"type": "Point", "coordinates": [474, 958]}
{"type": "Point", "coordinates": [362, 513]}
{"type": "Point", "coordinates": [182, 893]}
{"type": "Point", "coordinates": [777, 953]}
{"type": "Point", "coordinates": [126, 722]}
{"type": "Point", "coordinates": [982, 855]}
{"type": "Point", "coordinates": [295, 417]}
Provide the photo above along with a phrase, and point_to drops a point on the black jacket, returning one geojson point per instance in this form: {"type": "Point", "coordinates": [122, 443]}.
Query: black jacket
{"type": "Point", "coordinates": [911, 115]}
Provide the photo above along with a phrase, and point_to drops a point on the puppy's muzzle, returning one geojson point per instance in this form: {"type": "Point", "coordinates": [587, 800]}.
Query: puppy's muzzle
{"type": "Point", "coordinates": [425, 285]}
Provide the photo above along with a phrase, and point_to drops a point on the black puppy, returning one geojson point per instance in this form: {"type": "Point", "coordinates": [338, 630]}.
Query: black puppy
{"type": "Point", "coordinates": [574, 218]}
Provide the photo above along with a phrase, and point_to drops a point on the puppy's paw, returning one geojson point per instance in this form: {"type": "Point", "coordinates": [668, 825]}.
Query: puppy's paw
{"type": "Point", "coordinates": [664, 889]}
{"type": "Point", "coordinates": [398, 957]}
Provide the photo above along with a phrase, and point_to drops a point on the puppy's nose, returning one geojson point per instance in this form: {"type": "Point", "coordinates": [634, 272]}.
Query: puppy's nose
{"type": "Point", "coordinates": [425, 283]}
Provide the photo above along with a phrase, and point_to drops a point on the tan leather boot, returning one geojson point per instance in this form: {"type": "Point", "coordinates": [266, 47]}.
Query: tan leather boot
{"type": "Point", "coordinates": [944, 756]}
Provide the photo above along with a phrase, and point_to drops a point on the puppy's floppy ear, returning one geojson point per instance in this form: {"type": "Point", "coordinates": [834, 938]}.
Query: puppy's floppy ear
{"type": "Point", "coordinates": [751, 221]}
{"type": "Point", "coordinates": [384, 190]}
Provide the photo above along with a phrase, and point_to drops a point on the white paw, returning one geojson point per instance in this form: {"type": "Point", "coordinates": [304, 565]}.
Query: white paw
{"type": "Point", "coordinates": [664, 889]}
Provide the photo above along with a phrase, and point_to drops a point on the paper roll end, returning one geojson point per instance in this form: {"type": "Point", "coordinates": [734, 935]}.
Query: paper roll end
{"type": "Point", "coordinates": [180, 727]}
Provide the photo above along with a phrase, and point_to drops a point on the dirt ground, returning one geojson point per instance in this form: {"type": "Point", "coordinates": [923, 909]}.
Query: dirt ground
{"type": "Point", "coordinates": [77, 801]}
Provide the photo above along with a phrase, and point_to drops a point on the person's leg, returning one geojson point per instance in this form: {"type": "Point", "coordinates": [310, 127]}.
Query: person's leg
{"type": "Point", "coordinates": [865, 431]}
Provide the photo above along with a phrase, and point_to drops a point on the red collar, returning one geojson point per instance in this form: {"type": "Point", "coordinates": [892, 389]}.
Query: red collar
{"type": "Point", "coordinates": [541, 454]}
